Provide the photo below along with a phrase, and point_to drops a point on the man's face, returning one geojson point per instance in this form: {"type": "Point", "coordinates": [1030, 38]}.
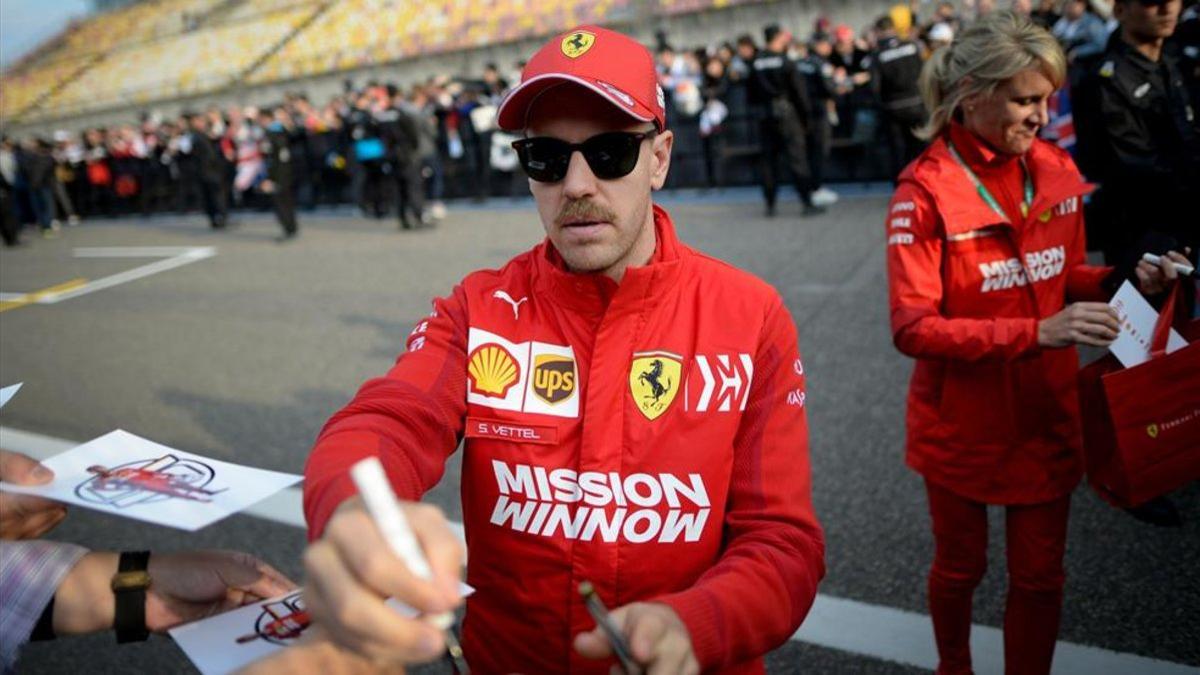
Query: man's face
{"type": "Point", "coordinates": [1075, 9]}
{"type": "Point", "coordinates": [597, 225]}
{"type": "Point", "coordinates": [1148, 21]}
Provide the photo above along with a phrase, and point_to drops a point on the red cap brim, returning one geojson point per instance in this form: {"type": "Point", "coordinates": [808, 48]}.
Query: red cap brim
{"type": "Point", "coordinates": [513, 114]}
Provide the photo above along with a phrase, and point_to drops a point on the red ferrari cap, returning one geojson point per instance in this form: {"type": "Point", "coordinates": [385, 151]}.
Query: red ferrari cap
{"type": "Point", "coordinates": [613, 65]}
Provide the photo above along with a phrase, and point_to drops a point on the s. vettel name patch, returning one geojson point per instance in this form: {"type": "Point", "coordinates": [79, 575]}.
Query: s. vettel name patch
{"type": "Point", "coordinates": [479, 427]}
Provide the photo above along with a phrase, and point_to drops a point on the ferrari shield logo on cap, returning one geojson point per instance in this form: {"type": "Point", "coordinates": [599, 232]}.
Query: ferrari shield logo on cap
{"type": "Point", "coordinates": [654, 379]}
{"type": "Point", "coordinates": [577, 43]}
{"type": "Point", "coordinates": [1152, 431]}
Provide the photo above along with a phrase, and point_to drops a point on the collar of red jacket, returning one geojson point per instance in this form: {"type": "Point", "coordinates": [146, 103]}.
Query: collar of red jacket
{"type": "Point", "coordinates": [596, 292]}
{"type": "Point", "coordinates": [974, 151]}
{"type": "Point", "coordinates": [1055, 179]}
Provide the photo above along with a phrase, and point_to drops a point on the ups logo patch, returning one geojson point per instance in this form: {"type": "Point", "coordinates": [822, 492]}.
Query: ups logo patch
{"type": "Point", "coordinates": [553, 377]}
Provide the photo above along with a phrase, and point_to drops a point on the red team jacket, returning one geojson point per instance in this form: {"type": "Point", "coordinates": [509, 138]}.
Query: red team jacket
{"type": "Point", "coordinates": [991, 415]}
{"type": "Point", "coordinates": [649, 437]}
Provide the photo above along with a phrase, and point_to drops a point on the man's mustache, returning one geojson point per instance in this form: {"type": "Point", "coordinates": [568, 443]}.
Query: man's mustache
{"type": "Point", "coordinates": [584, 209]}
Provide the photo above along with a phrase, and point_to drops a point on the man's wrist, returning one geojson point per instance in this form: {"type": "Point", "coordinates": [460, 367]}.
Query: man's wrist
{"type": "Point", "coordinates": [84, 600]}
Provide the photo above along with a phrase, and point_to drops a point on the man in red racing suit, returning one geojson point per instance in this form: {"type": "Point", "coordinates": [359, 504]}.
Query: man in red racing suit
{"type": "Point", "coordinates": [637, 423]}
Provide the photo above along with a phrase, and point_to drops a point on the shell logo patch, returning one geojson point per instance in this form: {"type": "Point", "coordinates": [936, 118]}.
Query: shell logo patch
{"type": "Point", "coordinates": [654, 380]}
{"type": "Point", "coordinates": [493, 371]}
{"type": "Point", "coordinates": [577, 43]}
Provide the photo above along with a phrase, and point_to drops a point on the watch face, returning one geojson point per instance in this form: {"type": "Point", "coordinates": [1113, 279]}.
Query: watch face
{"type": "Point", "coordinates": [130, 581]}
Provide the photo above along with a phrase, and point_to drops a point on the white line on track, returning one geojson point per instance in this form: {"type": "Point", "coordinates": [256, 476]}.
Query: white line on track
{"type": "Point", "coordinates": [174, 256]}
{"type": "Point", "coordinates": [876, 631]}
{"type": "Point", "coordinates": [179, 256]}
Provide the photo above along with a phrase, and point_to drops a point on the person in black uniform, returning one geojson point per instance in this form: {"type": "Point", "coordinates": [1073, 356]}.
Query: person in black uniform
{"type": "Point", "coordinates": [369, 154]}
{"type": "Point", "coordinates": [398, 128]}
{"type": "Point", "coordinates": [276, 147]}
{"type": "Point", "coordinates": [779, 97]}
{"type": "Point", "coordinates": [818, 76]}
{"type": "Point", "coordinates": [38, 166]}
{"type": "Point", "coordinates": [209, 172]}
{"type": "Point", "coordinates": [1139, 138]}
{"type": "Point", "coordinates": [895, 68]}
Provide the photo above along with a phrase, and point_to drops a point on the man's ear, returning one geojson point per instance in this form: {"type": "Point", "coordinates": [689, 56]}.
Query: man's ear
{"type": "Point", "coordinates": [660, 158]}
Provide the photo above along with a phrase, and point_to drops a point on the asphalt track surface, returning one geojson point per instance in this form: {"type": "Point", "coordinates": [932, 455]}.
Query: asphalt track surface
{"type": "Point", "coordinates": [242, 357]}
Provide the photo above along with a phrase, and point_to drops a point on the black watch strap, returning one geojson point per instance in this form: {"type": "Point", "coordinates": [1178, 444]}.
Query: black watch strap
{"type": "Point", "coordinates": [129, 591]}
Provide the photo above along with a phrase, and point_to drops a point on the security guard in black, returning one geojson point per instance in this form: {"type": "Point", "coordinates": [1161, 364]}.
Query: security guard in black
{"type": "Point", "coordinates": [281, 176]}
{"type": "Point", "coordinates": [779, 97]}
{"type": "Point", "coordinates": [1139, 138]}
{"type": "Point", "coordinates": [895, 69]}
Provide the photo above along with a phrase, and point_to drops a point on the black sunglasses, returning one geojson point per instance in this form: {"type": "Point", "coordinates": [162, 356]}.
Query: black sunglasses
{"type": "Point", "coordinates": [610, 155]}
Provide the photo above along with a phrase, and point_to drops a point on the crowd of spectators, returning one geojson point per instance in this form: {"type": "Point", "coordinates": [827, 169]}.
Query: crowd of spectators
{"type": "Point", "coordinates": [362, 145]}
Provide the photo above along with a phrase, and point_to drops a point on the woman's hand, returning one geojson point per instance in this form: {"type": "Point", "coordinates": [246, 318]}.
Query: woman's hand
{"type": "Point", "coordinates": [1084, 323]}
{"type": "Point", "coordinates": [1154, 279]}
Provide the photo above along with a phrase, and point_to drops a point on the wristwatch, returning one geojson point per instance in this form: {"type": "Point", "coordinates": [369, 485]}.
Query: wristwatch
{"type": "Point", "coordinates": [129, 586]}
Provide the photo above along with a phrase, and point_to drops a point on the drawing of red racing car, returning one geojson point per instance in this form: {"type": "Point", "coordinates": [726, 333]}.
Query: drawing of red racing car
{"type": "Point", "coordinates": [149, 480]}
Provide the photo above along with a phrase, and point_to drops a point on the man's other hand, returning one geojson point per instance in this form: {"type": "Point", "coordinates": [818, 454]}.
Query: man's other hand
{"type": "Point", "coordinates": [657, 636]}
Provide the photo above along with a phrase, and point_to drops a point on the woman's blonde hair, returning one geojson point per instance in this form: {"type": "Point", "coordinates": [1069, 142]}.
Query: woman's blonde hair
{"type": "Point", "coordinates": [983, 56]}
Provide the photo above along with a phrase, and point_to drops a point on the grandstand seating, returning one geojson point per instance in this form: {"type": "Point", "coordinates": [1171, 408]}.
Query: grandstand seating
{"type": "Point", "coordinates": [134, 23]}
{"type": "Point", "coordinates": [22, 89]}
{"type": "Point", "coordinates": [163, 49]}
{"type": "Point", "coordinates": [188, 63]}
{"type": "Point", "coordinates": [354, 33]}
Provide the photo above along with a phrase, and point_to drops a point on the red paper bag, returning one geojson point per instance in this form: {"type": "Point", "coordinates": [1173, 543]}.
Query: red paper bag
{"type": "Point", "coordinates": [1141, 425]}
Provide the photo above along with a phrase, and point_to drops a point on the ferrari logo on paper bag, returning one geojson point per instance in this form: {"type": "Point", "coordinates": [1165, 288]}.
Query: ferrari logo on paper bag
{"type": "Point", "coordinates": [576, 44]}
{"type": "Point", "coordinates": [654, 380]}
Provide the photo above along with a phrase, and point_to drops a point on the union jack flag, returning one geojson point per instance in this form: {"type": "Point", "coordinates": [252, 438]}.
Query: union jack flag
{"type": "Point", "coordinates": [1061, 128]}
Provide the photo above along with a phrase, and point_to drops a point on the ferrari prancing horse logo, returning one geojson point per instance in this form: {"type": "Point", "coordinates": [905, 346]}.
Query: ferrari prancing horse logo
{"type": "Point", "coordinates": [577, 43]}
{"type": "Point", "coordinates": [654, 380]}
